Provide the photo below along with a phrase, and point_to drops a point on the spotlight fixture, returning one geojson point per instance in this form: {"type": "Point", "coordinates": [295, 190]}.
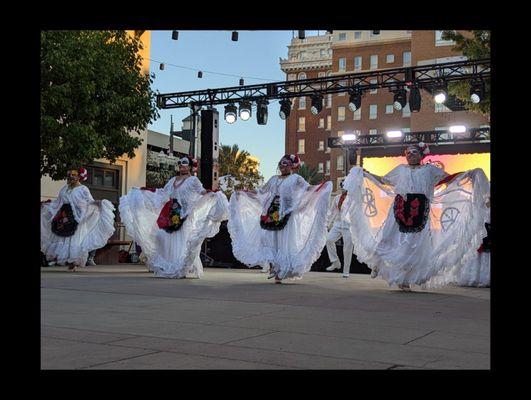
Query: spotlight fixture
{"type": "Point", "coordinates": [414, 99]}
{"type": "Point", "coordinates": [234, 36]}
{"type": "Point", "coordinates": [261, 112]}
{"type": "Point", "coordinates": [302, 35]}
{"type": "Point", "coordinates": [161, 66]}
{"type": "Point", "coordinates": [354, 102]}
{"type": "Point", "coordinates": [375, 32]}
{"type": "Point", "coordinates": [457, 129]}
{"type": "Point", "coordinates": [175, 35]}
{"type": "Point", "coordinates": [200, 74]}
{"type": "Point", "coordinates": [477, 92]}
{"type": "Point", "coordinates": [245, 110]}
{"type": "Point", "coordinates": [394, 134]}
{"type": "Point", "coordinates": [241, 82]}
{"type": "Point", "coordinates": [399, 99]}
{"type": "Point", "coordinates": [439, 94]}
{"type": "Point", "coordinates": [285, 108]}
{"type": "Point", "coordinates": [317, 104]}
{"type": "Point", "coordinates": [350, 137]}
{"type": "Point", "coordinates": [230, 113]}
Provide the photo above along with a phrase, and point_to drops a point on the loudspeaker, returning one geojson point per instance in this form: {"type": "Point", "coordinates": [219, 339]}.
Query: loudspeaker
{"type": "Point", "coordinates": [209, 166]}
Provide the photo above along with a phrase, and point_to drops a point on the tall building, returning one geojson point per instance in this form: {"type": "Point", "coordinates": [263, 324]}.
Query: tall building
{"type": "Point", "coordinates": [361, 51]}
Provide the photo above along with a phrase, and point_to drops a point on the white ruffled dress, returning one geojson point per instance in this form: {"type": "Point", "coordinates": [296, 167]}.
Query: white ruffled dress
{"type": "Point", "coordinates": [95, 226]}
{"type": "Point", "coordinates": [293, 249]}
{"type": "Point", "coordinates": [175, 254]}
{"type": "Point", "coordinates": [453, 232]}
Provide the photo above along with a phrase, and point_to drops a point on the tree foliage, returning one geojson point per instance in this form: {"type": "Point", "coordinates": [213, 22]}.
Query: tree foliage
{"type": "Point", "coordinates": [474, 46]}
{"type": "Point", "coordinates": [93, 95]}
{"type": "Point", "coordinates": [310, 174]}
{"type": "Point", "coordinates": [238, 169]}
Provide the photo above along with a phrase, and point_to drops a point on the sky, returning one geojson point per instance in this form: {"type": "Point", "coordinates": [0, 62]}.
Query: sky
{"type": "Point", "coordinates": [255, 55]}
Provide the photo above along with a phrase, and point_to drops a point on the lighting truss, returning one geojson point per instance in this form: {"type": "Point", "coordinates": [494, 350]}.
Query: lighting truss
{"type": "Point", "coordinates": [425, 76]}
{"type": "Point", "coordinates": [475, 135]}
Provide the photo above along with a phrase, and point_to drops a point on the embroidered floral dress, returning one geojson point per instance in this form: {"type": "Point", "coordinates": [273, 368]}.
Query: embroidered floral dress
{"type": "Point", "coordinates": [283, 224]}
{"type": "Point", "coordinates": [171, 223]}
{"type": "Point", "coordinates": [72, 225]}
{"type": "Point", "coordinates": [411, 228]}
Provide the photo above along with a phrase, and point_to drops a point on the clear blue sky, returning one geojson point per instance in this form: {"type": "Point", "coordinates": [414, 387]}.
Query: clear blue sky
{"type": "Point", "coordinates": [255, 54]}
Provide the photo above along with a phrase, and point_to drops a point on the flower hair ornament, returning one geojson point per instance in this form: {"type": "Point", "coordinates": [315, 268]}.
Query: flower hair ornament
{"type": "Point", "coordinates": [291, 159]}
{"type": "Point", "coordinates": [83, 174]}
{"type": "Point", "coordinates": [421, 147]}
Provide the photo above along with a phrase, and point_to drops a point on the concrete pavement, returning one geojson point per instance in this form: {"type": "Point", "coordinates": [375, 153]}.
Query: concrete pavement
{"type": "Point", "coordinates": [121, 317]}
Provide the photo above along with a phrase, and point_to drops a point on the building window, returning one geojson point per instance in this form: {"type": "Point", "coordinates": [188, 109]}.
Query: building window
{"type": "Point", "coordinates": [341, 113]}
{"type": "Point", "coordinates": [342, 36]}
{"type": "Point", "coordinates": [439, 108]}
{"type": "Point", "coordinates": [406, 112]}
{"type": "Point", "coordinates": [328, 122]}
{"type": "Point", "coordinates": [302, 103]}
{"type": "Point", "coordinates": [321, 74]}
{"type": "Point", "coordinates": [390, 58]}
{"type": "Point", "coordinates": [302, 75]}
{"type": "Point", "coordinates": [374, 61]}
{"type": "Point", "coordinates": [321, 145]}
{"type": "Point", "coordinates": [373, 131]}
{"type": "Point", "coordinates": [302, 124]}
{"type": "Point", "coordinates": [357, 35]}
{"type": "Point", "coordinates": [343, 83]}
{"type": "Point", "coordinates": [406, 130]}
{"type": "Point", "coordinates": [373, 111]}
{"type": "Point", "coordinates": [340, 133]}
{"type": "Point", "coordinates": [327, 170]}
{"type": "Point", "coordinates": [373, 82]}
{"type": "Point", "coordinates": [389, 109]}
{"type": "Point", "coordinates": [340, 163]}
{"type": "Point", "coordinates": [406, 57]}
{"type": "Point", "coordinates": [301, 146]}
{"type": "Point", "coordinates": [329, 101]}
{"type": "Point", "coordinates": [323, 54]}
{"type": "Point", "coordinates": [342, 64]}
{"type": "Point", "coordinates": [439, 41]}
{"type": "Point", "coordinates": [320, 168]}
{"type": "Point", "coordinates": [357, 63]}
{"type": "Point", "coordinates": [357, 114]}
{"type": "Point", "coordinates": [321, 123]}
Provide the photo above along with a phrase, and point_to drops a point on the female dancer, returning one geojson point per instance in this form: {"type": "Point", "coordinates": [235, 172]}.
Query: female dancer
{"type": "Point", "coordinates": [283, 223]}
{"type": "Point", "coordinates": [171, 223]}
{"type": "Point", "coordinates": [74, 224]}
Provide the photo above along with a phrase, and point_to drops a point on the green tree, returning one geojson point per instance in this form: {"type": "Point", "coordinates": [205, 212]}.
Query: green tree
{"type": "Point", "coordinates": [93, 95]}
{"type": "Point", "coordinates": [239, 170]}
{"type": "Point", "coordinates": [309, 174]}
{"type": "Point", "coordinates": [474, 46]}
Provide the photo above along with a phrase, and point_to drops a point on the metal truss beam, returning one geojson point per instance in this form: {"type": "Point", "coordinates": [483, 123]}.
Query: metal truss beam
{"type": "Point", "coordinates": [425, 76]}
{"type": "Point", "coordinates": [475, 135]}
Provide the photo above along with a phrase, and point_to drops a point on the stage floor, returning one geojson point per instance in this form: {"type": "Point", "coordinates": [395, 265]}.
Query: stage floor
{"type": "Point", "coordinates": [121, 317]}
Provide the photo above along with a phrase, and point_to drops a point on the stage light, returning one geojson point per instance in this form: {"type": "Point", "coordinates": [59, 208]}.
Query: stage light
{"type": "Point", "coordinates": [457, 129]}
{"type": "Point", "coordinates": [375, 32]}
{"type": "Point", "coordinates": [161, 66]}
{"type": "Point", "coordinates": [354, 102]}
{"type": "Point", "coordinates": [477, 92]}
{"type": "Point", "coordinates": [317, 104]}
{"type": "Point", "coordinates": [230, 113]}
{"type": "Point", "coordinates": [394, 134]}
{"type": "Point", "coordinates": [245, 110]}
{"type": "Point", "coordinates": [234, 36]}
{"type": "Point", "coordinates": [175, 35]}
{"type": "Point", "coordinates": [440, 95]}
{"type": "Point", "coordinates": [200, 74]}
{"type": "Point", "coordinates": [241, 82]}
{"type": "Point", "coordinates": [399, 99]}
{"type": "Point", "coordinates": [302, 35]}
{"type": "Point", "coordinates": [285, 108]}
{"type": "Point", "coordinates": [261, 112]}
{"type": "Point", "coordinates": [350, 137]}
{"type": "Point", "coordinates": [414, 99]}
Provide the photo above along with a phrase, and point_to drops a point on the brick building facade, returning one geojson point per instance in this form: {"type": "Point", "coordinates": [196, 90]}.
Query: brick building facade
{"type": "Point", "coordinates": [360, 51]}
